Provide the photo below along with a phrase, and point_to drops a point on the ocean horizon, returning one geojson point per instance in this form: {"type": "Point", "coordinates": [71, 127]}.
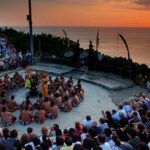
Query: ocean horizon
{"type": "Point", "coordinates": [138, 39]}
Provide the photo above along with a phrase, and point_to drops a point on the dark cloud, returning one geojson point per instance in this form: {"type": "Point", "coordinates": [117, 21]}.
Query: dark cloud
{"type": "Point", "coordinates": [145, 3]}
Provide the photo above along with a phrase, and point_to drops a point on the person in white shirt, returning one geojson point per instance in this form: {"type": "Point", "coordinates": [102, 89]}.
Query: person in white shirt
{"type": "Point", "coordinates": [102, 142]}
{"type": "Point", "coordinates": [87, 122]}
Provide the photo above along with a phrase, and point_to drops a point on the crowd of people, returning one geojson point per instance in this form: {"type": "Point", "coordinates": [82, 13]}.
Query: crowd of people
{"type": "Point", "coordinates": [11, 57]}
{"type": "Point", "coordinates": [127, 128]}
{"type": "Point", "coordinates": [55, 94]}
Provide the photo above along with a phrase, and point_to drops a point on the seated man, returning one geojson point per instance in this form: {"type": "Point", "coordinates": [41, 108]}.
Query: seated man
{"type": "Point", "coordinates": [12, 105]}
{"type": "Point", "coordinates": [6, 117]}
{"type": "Point", "coordinates": [26, 116]}
{"type": "Point", "coordinates": [21, 81]}
{"type": "Point", "coordinates": [40, 101]}
{"type": "Point", "coordinates": [53, 111]}
{"type": "Point", "coordinates": [58, 100]}
{"type": "Point", "coordinates": [75, 100]}
{"type": "Point", "coordinates": [46, 105]}
{"type": "Point", "coordinates": [67, 105]}
{"type": "Point", "coordinates": [16, 78]}
{"type": "Point", "coordinates": [40, 115]}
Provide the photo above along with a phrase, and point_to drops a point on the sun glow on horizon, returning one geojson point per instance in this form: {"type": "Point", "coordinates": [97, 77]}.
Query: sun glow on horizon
{"type": "Point", "coordinates": [105, 13]}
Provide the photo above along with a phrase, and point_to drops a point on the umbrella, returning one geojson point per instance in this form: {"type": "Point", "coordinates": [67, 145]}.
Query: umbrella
{"type": "Point", "coordinates": [83, 55]}
{"type": "Point", "coordinates": [68, 54]}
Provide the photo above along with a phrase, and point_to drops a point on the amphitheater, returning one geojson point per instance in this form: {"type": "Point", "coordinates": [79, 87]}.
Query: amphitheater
{"type": "Point", "coordinates": [103, 91]}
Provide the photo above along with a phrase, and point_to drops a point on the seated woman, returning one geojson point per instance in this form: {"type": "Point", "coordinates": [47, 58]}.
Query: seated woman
{"type": "Point", "coordinates": [67, 105]}
{"type": "Point", "coordinates": [40, 115]}
{"type": "Point", "coordinates": [25, 116]}
{"type": "Point", "coordinates": [12, 105]}
{"type": "Point", "coordinates": [6, 117]}
{"type": "Point", "coordinates": [53, 111]}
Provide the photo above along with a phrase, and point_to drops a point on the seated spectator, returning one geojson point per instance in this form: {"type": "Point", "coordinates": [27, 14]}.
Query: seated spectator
{"type": "Point", "coordinates": [87, 122]}
{"type": "Point", "coordinates": [102, 142]}
{"type": "Point", "coordinates": [11, 140]}
{"type": "Point", "coordinates": [134, 140]}
{"type": "Point", "coordinates": [103, 125]}
{"type": "Point", "coordinates": [116, 144]}
{"type": "Point", "coordinates": [59, 143]}
{"type": "Point", "coordinates": [68, 142]}
{"type": "Point", "coordinates": [44, 139]}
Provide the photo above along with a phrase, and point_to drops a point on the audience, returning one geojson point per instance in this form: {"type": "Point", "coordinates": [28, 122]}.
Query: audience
{"type": "Point", "coordinates": [126, 128]}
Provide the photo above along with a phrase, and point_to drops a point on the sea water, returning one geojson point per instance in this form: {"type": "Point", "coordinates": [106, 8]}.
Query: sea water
{"type": "Point", "coordinates": [110, 43]}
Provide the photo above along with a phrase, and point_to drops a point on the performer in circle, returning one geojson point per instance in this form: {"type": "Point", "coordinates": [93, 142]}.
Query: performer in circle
{"type": "Point", "coordinates": [44, 89]}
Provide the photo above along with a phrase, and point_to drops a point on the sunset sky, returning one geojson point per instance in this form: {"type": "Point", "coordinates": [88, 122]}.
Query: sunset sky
{"type": "Point", "coordinates": [118, 13]}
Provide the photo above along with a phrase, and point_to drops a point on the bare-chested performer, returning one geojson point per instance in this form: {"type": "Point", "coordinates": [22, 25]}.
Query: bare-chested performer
{"type": "Point", "coordinates": [40, 115]}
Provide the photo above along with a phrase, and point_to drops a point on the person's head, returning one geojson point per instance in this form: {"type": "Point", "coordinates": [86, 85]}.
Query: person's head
{"type": "Point", "coordinates": [27, 97]}
{"type": "Point", "coordinates": [143, 146]}
{"type": "Point", "coordinates": [29, 130]}
{"type": "Point", "coordinates": [4, 109]}
{"type": "Point", "coordinates": [59, 141]}
{"type": "Point", "coordinates": [88, 143]}
{"type": "Point", "coordinates": [44, 131]}
{"type": "Point", "coordinates": [46, 99]}
{"type": "Point", "coordinates": [52, 104]}
{"type": "Point", "coordinates": [108, 132]}
{"type": "Point", "coordinates": [40, 95]}
{"type": "Point", "coordinates": [140, 127]}
{"type": "Point", "coordinates": [77, 125]}
{"type": "Point", "coordinates": [101, 139]}
{"type": "Point", "coordinates": [102, 120]}
{"type": "Point", "coordinates": [120, 107]}
{"type": "Point", "coordinates": [6, 133]}
{"type": "Point", "coordinates": [14, 133]}
{"type": "Point", "coordinates": [92, 132]}
{"type": "Point", "coordinates": [88, 117]}
{"type": "Point", "coordinates": [131, 132]}
{"type": "Point", "coordinates": [84, 130]}
{"type": "Point", "coordinates": [135, 114]}
{"type": "Point", "coordinates": [65, 132]}
{"type": "Point", "coordinates": [68, 141]}
{"type": "Point", "coordinates": [12, 97]}
{"type": "Point", "coordinates": [108, 114]}
{"type": "Point", "coordinates": [77, 147]}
